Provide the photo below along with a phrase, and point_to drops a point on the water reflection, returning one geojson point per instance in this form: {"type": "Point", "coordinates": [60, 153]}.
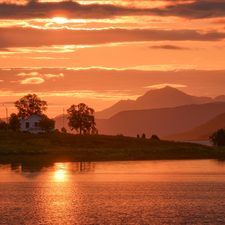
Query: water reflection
{"type": "Point", "coordinates": [59, 168]}
{"type": "Point", "coordinates": [129, 192]}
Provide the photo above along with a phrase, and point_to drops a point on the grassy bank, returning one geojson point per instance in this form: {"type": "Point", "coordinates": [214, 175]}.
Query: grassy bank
{"type": "Point", "coordinates": [70, 147]}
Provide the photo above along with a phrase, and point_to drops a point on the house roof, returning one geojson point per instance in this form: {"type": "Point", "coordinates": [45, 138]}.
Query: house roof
{"type": "Point", "coordinates": [40, 116]}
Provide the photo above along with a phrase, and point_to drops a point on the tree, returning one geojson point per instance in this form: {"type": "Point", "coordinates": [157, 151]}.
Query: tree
{"type": "Point", "coordinates": [143, 136]}
{"type": "Point", "coordinates": [81, 118]}
{"type": "Point", "coordinates": [47, 124]}
{"type": "Point", "coordinates": [29, 105]}
{"type": "Point", "coordinates": [3, 125]}
{"type": "Point", "coordinates": [14, 122]}
{"type": "Point", "coordinates": [218, 138]}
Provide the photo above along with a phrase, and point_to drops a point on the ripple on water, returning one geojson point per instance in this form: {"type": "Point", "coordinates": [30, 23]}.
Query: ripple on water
{"type": "Point", "coordinates": [122, 197]}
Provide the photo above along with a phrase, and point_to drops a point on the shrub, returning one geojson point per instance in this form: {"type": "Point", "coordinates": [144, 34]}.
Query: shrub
{"type": "Point", "coordinates": [138, 136]}
{"type": "Point", "coordinates": [154, 137]}
{"type": "Point", "coordinates": [143, 136]}
{"type": "Point", "coordinates": [56, 131]}
{"type": "Point", "coordinates": [63, 130]}
{"type": "Point", "coordinates": [3, 125]}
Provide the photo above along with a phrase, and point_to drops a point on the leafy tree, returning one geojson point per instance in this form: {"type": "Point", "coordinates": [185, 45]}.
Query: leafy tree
{"type": "Point", "coordinates": [47, 124]}
{"type": "Point", "coordinates": [138, 136]}
{"type": "Point", "coordinates": [218, 138]}
{"type": "Point", "coordinates": [81, 118]}
{"type": "Point", "coordinates": [143, 136]}
{"type": "Point", "coordinates": [30, 104]}
{"type": "Point", "coordinates": [3, 125]}
{"type": "Point", "coordinates": [14, 122]}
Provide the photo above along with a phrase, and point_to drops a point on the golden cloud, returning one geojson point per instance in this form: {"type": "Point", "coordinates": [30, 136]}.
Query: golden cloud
{"type": "Point", "coordinates": [28, 74]}
{"type": "Point", "coordinates": [32, 80]}
{"type": "Point", "coordinates": [164, 85]}
{"type": "Point", "coordinates": [54, 75]}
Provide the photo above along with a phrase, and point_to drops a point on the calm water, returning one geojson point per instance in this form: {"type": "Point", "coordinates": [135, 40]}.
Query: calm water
{"type": "Point", "coordinates": [137, 192]}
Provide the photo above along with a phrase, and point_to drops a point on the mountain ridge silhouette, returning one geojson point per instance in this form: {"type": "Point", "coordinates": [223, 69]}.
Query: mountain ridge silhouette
{"type": "Point", "coordinates": [162, 122]}
{"type": "Point", "coordinates": [157, 98]}
{"type": "Point", "coordinates": [201, 132]}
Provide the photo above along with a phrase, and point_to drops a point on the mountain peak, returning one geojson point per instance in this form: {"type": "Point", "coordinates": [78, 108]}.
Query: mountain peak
{"type": "Point", "coordinates": [166, 97]}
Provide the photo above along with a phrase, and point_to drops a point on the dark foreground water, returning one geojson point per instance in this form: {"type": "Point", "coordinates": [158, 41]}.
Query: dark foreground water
{"type": "Point", "coordinates": [138, 192]}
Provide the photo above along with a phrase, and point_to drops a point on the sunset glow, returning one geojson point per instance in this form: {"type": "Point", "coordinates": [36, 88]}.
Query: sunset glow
{"type": "Point", "coordinates": [109, 50]}
{"type": "Point", "coordinates": [59, 20]}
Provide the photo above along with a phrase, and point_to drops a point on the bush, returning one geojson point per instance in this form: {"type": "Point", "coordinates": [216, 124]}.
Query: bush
{"type": "Point", "coordinates": [143, 136]}
{"type": "Point", "coordinates": [138, 136]}
{"type": "Point", "coordinates": [3, 125]}
{"type": "Point", "coordinates": [218, 138]}
{"type": "Point", "coordinates": [154, 137]}
{"type": "Point", "coordinates": [63, 130]}
{"type": "Point", "coordinates": [56, 131]}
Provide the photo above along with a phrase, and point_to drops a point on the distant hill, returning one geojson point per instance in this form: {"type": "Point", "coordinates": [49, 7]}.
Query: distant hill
{"type": "Point", "coordinates": [220, 98]}
{"type": "Point", "coordinates": [201, 132]}
{"type": "Point", "coordinates": [158, 98]}
{"type": "Point", "coordinates": [161, 122]}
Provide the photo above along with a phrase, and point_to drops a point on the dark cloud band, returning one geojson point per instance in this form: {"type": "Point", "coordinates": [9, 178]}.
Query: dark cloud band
{"type": "Point", "coordinates": [31, 37]}
{"type": "Point", "coordinates": [69, 9]}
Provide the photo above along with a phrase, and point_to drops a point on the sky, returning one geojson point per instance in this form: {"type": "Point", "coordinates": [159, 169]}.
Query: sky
{"type": "Point", "coordinates": [99, 52]}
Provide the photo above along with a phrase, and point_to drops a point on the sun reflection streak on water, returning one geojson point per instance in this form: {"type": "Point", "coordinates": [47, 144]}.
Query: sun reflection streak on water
{"type": "Point", "coordinates": [60, 174]}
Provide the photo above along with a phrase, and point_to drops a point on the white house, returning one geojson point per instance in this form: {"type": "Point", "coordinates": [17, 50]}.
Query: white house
{"type": "Point", "coordinates": [31, 124]}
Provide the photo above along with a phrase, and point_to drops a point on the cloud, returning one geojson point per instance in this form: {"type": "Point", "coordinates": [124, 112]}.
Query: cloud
{"type": "Point", "coordinates": [54, 75]}
{"type": "Point", "coordinates": [164, 85]}
{"type": "Point", "coordinates": [169, 47]}
{"type": "Point", "coordinates": [29, 37]}
{"type": "Point", "coordinates": [28, 74]}
{"type": "Point", "coordinates": [32, 80]}
{"type": "Point", "coordinates": [45, 58]}
{"type": "Point", "coordinates": [1, 80]}
{"type": "Point", "coordinates": [35, 74]}
{"type": "Point", "coordinates": [105, 83]}
{"type": "Point", "coordinates": [4, 50]}
{"type": "Point", "coordinates": [221, 21]}
{"type": "Point", "coordinates": [74, 10]}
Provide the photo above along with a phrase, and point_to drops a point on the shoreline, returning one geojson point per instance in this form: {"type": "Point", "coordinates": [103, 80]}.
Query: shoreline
{"type": "Point", "coordinates": [70, 147]}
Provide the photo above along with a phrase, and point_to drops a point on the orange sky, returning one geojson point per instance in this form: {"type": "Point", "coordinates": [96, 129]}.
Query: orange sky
{"type": "Point", "coordinates": [99, 52]}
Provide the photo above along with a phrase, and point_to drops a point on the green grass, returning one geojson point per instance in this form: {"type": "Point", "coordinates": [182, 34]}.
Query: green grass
{"type": "Point", "coordinates": [70, 147]}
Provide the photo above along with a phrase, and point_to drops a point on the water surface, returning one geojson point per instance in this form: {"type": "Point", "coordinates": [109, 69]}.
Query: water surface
{"type": "Point", "coordinates": [129, 192]}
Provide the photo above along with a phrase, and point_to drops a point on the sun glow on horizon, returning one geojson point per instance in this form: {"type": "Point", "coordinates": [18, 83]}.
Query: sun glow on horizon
{"type": "Point", "coordinates": [60, 20]}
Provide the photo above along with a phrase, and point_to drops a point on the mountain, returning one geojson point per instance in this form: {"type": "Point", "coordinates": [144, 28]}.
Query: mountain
{"type": "Point", "coordinates": [201, 132]}
{"type": "Point", "coordinates": [220, 98]}
{"type": "Point", "coordinates": [161, 122]}
{"type": "Point", "coordinates": [158, 98]}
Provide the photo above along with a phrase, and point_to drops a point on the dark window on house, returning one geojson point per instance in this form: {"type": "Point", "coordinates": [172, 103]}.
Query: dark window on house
{"type": "Point", "coordinates": [27, 124]}
{"type": "Point", "coordinates": [36, 124]}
